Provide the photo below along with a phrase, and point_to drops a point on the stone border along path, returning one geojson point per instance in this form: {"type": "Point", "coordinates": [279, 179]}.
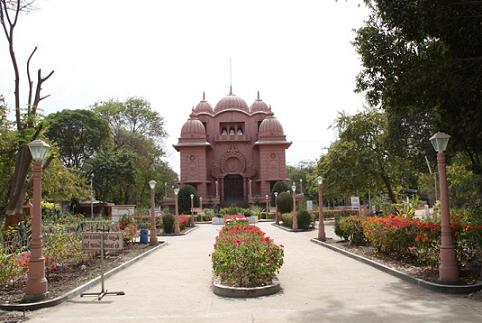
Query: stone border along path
{"type": "Point", "coordinates": [173, 284]}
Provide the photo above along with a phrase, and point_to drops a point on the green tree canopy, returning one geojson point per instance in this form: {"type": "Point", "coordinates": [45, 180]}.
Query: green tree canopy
{"type": "Point", "coordinates": [79, 134]}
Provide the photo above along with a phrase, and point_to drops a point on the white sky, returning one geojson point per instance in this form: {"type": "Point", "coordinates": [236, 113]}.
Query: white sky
{"type": "Point", "coordinates": [297, 53]}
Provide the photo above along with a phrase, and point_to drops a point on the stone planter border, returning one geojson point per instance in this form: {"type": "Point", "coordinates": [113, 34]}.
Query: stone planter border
{"type": "Point", "coordinates": [441, 288]}
{"type": "Point", "coordinates": [245, 292]}
{"type": "Point", "coordinates": [290, 230]}
{"type": "Point", "coordinates": [78, 290]}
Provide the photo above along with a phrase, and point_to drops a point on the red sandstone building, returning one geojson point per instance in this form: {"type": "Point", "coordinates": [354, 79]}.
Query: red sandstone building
{"type": "Point", "coordinates": [232, 154]}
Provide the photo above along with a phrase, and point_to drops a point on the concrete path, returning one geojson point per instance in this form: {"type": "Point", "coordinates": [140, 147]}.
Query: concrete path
{"type": "Point", "coordinates": [319, 285]}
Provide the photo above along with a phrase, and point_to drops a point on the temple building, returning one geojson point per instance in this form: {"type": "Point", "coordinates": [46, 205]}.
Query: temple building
{"type": "Point", "coordinates": [234, 153]}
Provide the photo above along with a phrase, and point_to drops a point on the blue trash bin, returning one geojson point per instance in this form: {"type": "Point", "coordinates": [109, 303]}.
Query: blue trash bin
{"type": "Point", "coordinates": [144, 236]}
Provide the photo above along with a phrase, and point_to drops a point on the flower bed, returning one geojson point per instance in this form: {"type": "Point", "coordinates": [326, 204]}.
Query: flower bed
{"type": "Point", "coordinates": [244, 257]}
{"type": "Point", "coordinates": [415, 241]}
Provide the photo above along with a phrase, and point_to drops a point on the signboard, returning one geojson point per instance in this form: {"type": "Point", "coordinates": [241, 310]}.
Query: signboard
{"type": "Point", "coordinates": [119, 210]}
{"type": "Point", "coordinates": [309, 205]}
{"type": "Point", "coordinates": [355, 202]}
{"type": "Point", "coordinates": [112, 240]}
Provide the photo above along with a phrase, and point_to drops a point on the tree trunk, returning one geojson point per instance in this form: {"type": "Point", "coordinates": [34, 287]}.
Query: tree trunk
{"type": "Point", "coordinates": [16, 196]}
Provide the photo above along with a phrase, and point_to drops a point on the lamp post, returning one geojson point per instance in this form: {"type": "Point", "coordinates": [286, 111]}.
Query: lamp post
{"type": "Point", "coordinates": [448, 271]}
{"type": "Point", "coordinates": [92, 196]}
{"type": "Point", "coordinates": [321, 225]}
{"type": "Point", "coordinates": [301, 185]}
{"type": "Point", "coordinates": [294, 215]}
{"type": "Point", "coordinates": [176, 217]}
{"type": "Point", "coordinates": [267, 202]}
{"type": "Point", "coordinates": [165, 189]}
{"type": "Point", "coordinates": [153, 238]}
{"type": "Point", "coordinates": [192, 208]}
{"type": "Point", "coordinates": [37, 285]}
{"type": "Point", "coordinates": [201, 203]}
{"type": "Point", "coordinates": [276, 205]}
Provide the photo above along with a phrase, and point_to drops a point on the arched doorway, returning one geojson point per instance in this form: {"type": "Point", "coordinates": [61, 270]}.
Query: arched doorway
{"type": "Point", "coordinates": [233, 189]}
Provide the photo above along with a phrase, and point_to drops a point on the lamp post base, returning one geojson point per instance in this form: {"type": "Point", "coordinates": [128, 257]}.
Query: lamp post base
{"type": "Point", "coordinates": [448, 270]}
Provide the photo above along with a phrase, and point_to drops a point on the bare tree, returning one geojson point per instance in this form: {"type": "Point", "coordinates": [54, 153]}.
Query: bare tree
{"type": "Point", "coordinates": [25, 119]}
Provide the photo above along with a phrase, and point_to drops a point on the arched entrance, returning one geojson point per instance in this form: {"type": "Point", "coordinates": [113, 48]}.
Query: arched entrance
{"type": "Point", "coordinates": [233, 189]}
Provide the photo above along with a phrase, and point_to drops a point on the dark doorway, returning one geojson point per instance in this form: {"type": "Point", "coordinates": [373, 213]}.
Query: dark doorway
{"type": "Point", "coordinates": [233, 190]}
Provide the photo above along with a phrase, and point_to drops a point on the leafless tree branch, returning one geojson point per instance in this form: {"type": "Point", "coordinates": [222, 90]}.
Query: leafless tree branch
{"type": "Point", "coordinates": [30, 82]}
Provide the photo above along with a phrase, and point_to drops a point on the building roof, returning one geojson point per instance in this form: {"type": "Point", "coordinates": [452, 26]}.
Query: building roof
{"type": "Point", "coordinates": [193, 129]}
{"type": "Point", "coordinates": [259, 105]}
{"type": "Point", "coordinates": [203, 106]}
{"type": "Point", "coordinates": [270, 127]}
{"type": "Point", "coordinates": [231, 102]}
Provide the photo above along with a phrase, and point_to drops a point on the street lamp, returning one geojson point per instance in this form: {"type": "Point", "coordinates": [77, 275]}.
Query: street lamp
{"type": "Point", "coordinates": [192, 208]}
{"type": "Point", "coordinates": [321, 225]}
{"type": "Point", "coordinates": [267, 202]}
{"type": "Point", "coordinates": [276, 205]}
{"type": "Point", "coordinates": [201, 203]}
{"type": "Point", "coordinates": [293, 214]}
{"type": "Point", "coordinates": [92, 196]}
{"type": "Point", "coordinates": [176, 217]}
{"type": "Point", "coordinates": [301, 185]}
{"type": "Point", "coordinates": [165, 189]}
{"type": "Point", "coordinates": [448, 271]}
{"type": "Point", "coordinates": [153, 238]}
{"type": "Point", "coordinates": [37, 285]}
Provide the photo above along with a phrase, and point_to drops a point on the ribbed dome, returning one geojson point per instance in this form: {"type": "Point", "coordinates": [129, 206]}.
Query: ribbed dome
{"type": "Point", "coordinates": [259, 105]}
{"type": "Point", "coordinates": [193, 129]}
{"type": "Point", "coordinates": [231, 101]}
{"type": "Point", "coordinates": [271, 127]}
{"type": "Point", "coordinates": [203, 106]}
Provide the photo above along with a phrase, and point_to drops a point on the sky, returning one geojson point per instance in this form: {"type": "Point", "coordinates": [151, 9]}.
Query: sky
{"type": "Point", "coordinates": [298, 54]}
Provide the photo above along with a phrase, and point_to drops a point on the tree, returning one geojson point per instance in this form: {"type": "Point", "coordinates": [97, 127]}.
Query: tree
{"type": "Point", "coordinates": [184, 198]}
{"type": "Point", "coordinates": [422, 64]}
{"type": "Point", "coordinates": [79, 134]}
{"type": "Point", "coordinates": [26, 119]}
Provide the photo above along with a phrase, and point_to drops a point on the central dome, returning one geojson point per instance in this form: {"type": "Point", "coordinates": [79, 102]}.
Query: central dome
{"type": "Point", "coordinates": [231, 102]}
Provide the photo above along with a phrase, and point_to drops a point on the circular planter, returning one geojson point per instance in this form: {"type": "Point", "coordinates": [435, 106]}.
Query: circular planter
{"type": "Point", "coordinates": [245, 292]}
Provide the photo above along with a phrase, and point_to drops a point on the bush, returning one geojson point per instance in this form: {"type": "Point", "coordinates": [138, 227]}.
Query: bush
{"type": "Point", "coordinates": [304, 220]}
{"type": "Point", "coordinates": [8, 266]}
{"type": "Point", "coordinates": [184, 221]}
{"type": "Point", "coordinates": [168, 223]}
{"type": "Point", "coordinates": [279, 187]}
{"type": "Point", "coordinates": [284, 202]}
{"type": "Point", "coordinates": [338, 230]}
{"type": "Point", "coordinates": [244, 257]}
{"type": "Point", "coordinates": [184, 198]}
{"type": "Point", "coordinates": [287, 219]}
{"type": "Point", "coordinates": [352, 227]}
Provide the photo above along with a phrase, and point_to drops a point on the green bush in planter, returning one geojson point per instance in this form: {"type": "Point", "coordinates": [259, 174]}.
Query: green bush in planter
{"type": "Point", "coordinates": [284, 202]}
{"type": "Point", "coordinates": [287, 219]}
{"type": "Point", "coordinates": [184, 198]}
{"type": "Point", "coordinates": [304, 220]}
{"type": "Point", "coordinates": [338, 230]}
{"type": "Point", "coordinates": [279, 187]}
{"type": "Point", "coordinates": [168, 223]}
{"type": "Point", "coordinates": [353, 228]}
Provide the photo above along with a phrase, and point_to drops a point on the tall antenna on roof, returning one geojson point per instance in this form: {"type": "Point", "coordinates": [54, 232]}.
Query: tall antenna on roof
{"type": "Point", "coordinates": [230, 75]}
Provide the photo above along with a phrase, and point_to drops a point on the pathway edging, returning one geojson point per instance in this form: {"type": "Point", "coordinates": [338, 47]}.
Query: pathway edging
{"type": "Point", "coordinates": [442, 288]}
{"type": "Point", "coordinates": [78, 290]}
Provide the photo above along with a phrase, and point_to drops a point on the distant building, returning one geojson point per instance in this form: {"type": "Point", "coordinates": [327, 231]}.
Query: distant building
{"type": "Point", "coordinates": [232, 154]}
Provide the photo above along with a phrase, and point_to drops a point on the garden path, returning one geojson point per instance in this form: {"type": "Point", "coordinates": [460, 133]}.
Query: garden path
{"type": "Point", "coordinates": [319, 285]}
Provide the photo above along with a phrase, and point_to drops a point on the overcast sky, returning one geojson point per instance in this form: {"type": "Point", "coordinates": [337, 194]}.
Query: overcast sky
{"type": "Point", "coordinates": [296, 53]}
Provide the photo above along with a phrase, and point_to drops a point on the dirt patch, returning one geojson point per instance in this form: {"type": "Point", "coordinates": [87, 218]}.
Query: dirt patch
{"type": "Point", "coordinates": [68, 277]}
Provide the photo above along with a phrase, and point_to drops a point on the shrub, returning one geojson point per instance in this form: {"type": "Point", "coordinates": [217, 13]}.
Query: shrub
{"type": "Point", "coordinates": [279, 187]}
{"type": "Point", "coordinates": [304, 220]}
{"type": "Point", "coordinates": [129, 232]}
{"type": "Point", "coordinates": [168, 223]}
{"type": "Point", "coordinates": [8, 266]}
{"type": "Point", "coordinates": [352, 227]}
{"type": "Point", "coordinates": [184, 198]}
{"type": "Point", "coordinates": [287, 219]}
{"type": "Point", "coordinates": [284, 202]}
{"type": "Point", "coordinates": [338, 230]}
{"type": "Point", "coordinates": [61, 247]}
{"type": "Point", "coordinates": [183, 221]}
{"type": "Point", "coordinates": [244, 257]}
{"type": "Point", "coordinates": [234, 217]}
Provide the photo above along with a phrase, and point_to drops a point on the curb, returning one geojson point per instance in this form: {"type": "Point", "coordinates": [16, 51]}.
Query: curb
{"type": "Point", "coordinates": [180, 233]}
{"type": "Point", "coordinates": [245, 292]}
{"type": "Point", "coordinates": [441, 288]}
{"type": "Point", "coordinates": [290, 230]}
{"type": "Point", "coordinates": [78, 290]}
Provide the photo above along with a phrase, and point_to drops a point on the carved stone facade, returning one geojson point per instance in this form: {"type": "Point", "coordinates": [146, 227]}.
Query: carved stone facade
{"type": "Point", "coordinates": [232, 154]}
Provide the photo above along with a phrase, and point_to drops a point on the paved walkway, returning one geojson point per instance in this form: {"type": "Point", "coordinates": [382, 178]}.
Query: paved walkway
{"type": "Point", "coordinates": [319, 285]}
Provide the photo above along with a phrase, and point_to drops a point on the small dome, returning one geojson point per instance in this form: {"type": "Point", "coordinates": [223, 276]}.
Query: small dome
{"type": "Point", "coordinates": [259, 105]}
{"type": "Point", "coordinates": [203, 106]}
{"type": "Point", "coordinates": [271, 127]}
{"type": "Point", "coordinates": [231, 101]}
{"type": "Point", "coordinates": [193, 129]}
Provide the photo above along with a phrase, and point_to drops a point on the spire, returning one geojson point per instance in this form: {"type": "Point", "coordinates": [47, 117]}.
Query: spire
{"type": "Point", "coordinates": [204, 96]}
{"type": "Point", "coordinates": [230, 89]}
{"type": "Point", "coordinates": [258, 96]}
